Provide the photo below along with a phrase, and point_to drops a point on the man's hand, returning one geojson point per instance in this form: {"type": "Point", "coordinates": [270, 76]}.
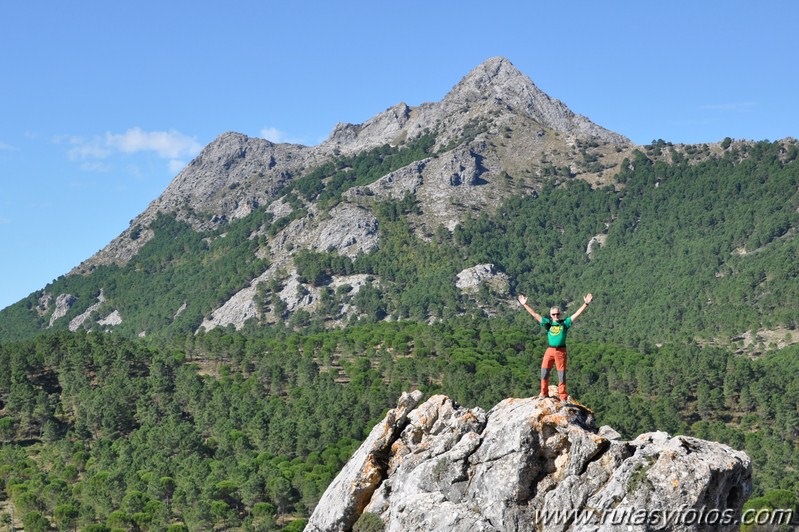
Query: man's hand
{"type": "Point", "coordinates": [523, 301]}
{"type": "Point", "coordinates": [587, 299]}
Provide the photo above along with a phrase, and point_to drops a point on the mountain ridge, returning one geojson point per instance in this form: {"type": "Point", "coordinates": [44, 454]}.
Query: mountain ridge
{"type": "Point", "coordinates": [261, 168]}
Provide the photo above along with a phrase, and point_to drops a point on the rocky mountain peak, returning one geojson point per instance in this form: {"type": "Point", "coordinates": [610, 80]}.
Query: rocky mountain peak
{"type": "Point", "coordinates": [494, 78]}
{"type": "Point", "coordinates": [494, 87]}
{"type": "Point", "coordinates": [230, 160]}
{"type": "Point", "coordinates": [498, 81]}
{"type": "Point", "coordinates": [528, 464]}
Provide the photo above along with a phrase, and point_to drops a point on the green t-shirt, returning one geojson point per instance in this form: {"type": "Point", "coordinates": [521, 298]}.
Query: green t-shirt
{"type": "Point", "coordinates": [556, 331]}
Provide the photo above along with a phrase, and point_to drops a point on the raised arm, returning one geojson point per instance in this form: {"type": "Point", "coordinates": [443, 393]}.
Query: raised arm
{"type": "Point", "coordinates": [586, 301]}
{"type": "Point", "coordinates": [523, 300]}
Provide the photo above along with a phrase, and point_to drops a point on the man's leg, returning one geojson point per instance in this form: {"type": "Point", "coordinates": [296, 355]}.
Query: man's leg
{"type": "Point", "coordinates": [560, 363]}
{"type": "Point", "coordinates": [546, 368]}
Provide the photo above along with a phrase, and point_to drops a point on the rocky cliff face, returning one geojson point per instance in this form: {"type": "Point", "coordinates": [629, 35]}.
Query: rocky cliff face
{"type": "Point", "coordinates": [529, 464]}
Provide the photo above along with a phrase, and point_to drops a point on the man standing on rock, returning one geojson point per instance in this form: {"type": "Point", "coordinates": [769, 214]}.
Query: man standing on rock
{"type": "Point", "coordinates": [556, 338]}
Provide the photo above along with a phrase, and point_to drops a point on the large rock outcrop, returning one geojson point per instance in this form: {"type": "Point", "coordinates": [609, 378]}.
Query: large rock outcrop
{"type": "Point", "coordinates": [529, 464]}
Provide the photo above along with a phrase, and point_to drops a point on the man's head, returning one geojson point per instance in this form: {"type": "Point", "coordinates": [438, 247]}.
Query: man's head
{"type": "Point", "coordinates": [554, 313]}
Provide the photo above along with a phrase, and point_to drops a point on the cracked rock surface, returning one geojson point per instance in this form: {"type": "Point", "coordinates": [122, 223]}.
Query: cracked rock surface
{"type": "Point", "coordinates": [438, 466]}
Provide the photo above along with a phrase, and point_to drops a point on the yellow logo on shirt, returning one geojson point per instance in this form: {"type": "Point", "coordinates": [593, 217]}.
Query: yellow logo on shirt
{"type": "Point", "coordinates": [555, 330]}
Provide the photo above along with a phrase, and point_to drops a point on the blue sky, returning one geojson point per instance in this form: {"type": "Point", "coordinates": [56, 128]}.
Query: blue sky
{"type": "Point", "coordinates": [102, 103]}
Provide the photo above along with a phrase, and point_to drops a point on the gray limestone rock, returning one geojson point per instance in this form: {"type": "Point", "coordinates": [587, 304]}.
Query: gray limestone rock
{"type": "Point", "coordinates": [236, 310]}
{"type": "Point", "coordinates": [344, 500]}
{"type": "Point", "coordinates": [115, 318]}
{"type": "Point", "coordinates": [530, 464]}
{"type": "Point", "coordinates": [394, 185]}
{"type": "Point", "coordinates": [43, 303]}
{"type": "Point", "coordinates": [470, 279]}
{"type": "Point", "coordinates": [595, 243]}
{"type": "Point", "coordinates": [78, 321]}
{"type": "Point", "coordinates": [347, 230]}
{"type": "Point", "coordinates": [63, 303]}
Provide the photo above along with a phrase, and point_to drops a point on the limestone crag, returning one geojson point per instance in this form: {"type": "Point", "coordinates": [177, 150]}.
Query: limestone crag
{"type": "Point", "coordinates": [115, 318]}
{"type": "Point", "coordinates": [465, 179]}
{"type": "Point", "coordinates": [470, 279]}
{"type": "Point", "coordinates": [236, 310]}
{"type": "Point", "coordinates": [63, 303]}
{"type": "Point", "coordinates": [78, 321]}
{"type": "Point", "coordinates": [347, 230]}
{"type": "Point", "coordinates": [595, 243]}
{"type": "Point", "coordinates": [498, 81]}
{"type": "Point", "coordinates": [387, 127]}
{"type": "Point", "coordinates": [394, 185]}
{"type": "Point", "coordinates": [528, 464]}
{"type": "Point", "coordinates": [220, 178]}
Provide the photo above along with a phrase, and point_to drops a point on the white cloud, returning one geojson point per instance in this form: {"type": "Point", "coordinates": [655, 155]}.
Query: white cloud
{"type": "Point", "coordinates": [83, 149]}
{"type": "Point", "coordinates": [165, 144]}
{"type": "Point", "coordinates": [7, 147]}
{"type": "Point", "coordinates": [273, 134]}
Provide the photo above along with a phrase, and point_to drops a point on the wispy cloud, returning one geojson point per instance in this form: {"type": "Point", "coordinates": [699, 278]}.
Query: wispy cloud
{"type": "Point", "coordinates": [166, 144]}
{"type": "Point", "coordinates": [736, 107]}
{"type": "Point", "coordinates": [7, 147]}
{"type": "Point", "coordinates": [170, 145]}
{"type": "Point", "coordinates": [277, 136]}
{"type": "Point", "coordinates": [84, 149]}
{"type": "Point", "coordinates": [4, 220]}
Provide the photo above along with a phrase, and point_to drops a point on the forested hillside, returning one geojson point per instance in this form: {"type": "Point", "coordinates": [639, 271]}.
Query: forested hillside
{"type": "Point", "coordinates": [693, 250]}
{"type": "Point", "coordinates": [234, 430]}
{"type": "Point", "coordinates": [246, 428]}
